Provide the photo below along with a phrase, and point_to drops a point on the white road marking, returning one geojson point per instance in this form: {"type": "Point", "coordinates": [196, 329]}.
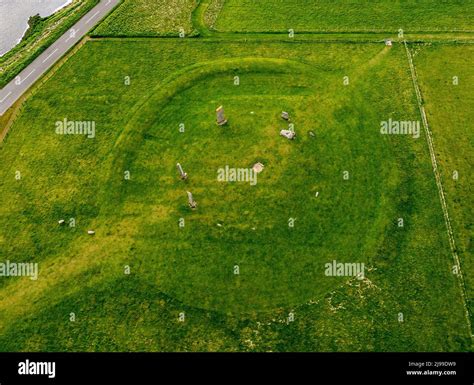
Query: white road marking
{"type": "Point", "coordinates": [1, 101]}
{"type": "Point", "coordinates": [27, 76]}
{"type": "Point", "coordinates": [51, 54]}
{"type": "Point", "coordinates": [94, 15]}
{"type": "Point", "coordinates": [72, 34]}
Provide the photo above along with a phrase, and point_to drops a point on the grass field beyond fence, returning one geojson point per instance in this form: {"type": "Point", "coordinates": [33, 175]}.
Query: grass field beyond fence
{"type": "Point", "coordinates": [345, 16]}
{"type": "Point", "coordinates": [149, 18]}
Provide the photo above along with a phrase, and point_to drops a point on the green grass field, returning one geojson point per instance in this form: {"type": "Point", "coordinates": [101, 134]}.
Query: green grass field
{"type": "Point", "coordinates": [182, 293]}
{"type": "Point", "coordinates": [149, 18]}
{"type": "Point", "coordinates": [345, 16]}
{"type": "Point", "coordinates": [192, 268]}
{"type": "Point", "coordinates": [446, 77]}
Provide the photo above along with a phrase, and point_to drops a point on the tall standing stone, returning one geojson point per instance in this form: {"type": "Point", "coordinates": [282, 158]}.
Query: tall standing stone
{"type": "Point", "coordinates": [192, 203]}
{"type": "Point", "coordinates": [183, 174]}
{"type": "Point", "coordinates": [221, 120]}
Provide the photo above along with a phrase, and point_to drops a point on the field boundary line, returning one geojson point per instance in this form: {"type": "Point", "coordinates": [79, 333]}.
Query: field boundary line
{"type": "Point", "coordinates": [447, 219]}
{"type": "Point", "coordinates": [269, 37]}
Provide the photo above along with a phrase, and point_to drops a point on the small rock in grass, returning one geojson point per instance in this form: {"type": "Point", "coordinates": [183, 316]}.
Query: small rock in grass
{"type": "Point", "coordinates": [288, 134]}
{"type": "Point", "coordinates": [258, 167]}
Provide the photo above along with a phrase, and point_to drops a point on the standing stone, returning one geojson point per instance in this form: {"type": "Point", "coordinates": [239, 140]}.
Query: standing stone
{"type": "Point", "coordinates": [192, 203]}
{"type": "Point", "coordinates": [221, 120]}
{"type": "Point", "coordinates": [183, 174]}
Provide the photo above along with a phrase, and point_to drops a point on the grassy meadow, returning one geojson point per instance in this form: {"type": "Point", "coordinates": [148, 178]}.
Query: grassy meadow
{"type": "Point", "coordinates": [343, 16]}
{"type": "Point", "coordinates": [190, 270]}
{"type": "Point", "coordinates": [149, 18]}
{"type": "Point", "coordinates": [446, 80]}
{"type": "Point", "coordinates": [158, 276]}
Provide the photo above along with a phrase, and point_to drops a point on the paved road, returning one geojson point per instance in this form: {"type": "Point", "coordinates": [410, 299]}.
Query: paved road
{"type": "Point", "coordinates": [13, 90]}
